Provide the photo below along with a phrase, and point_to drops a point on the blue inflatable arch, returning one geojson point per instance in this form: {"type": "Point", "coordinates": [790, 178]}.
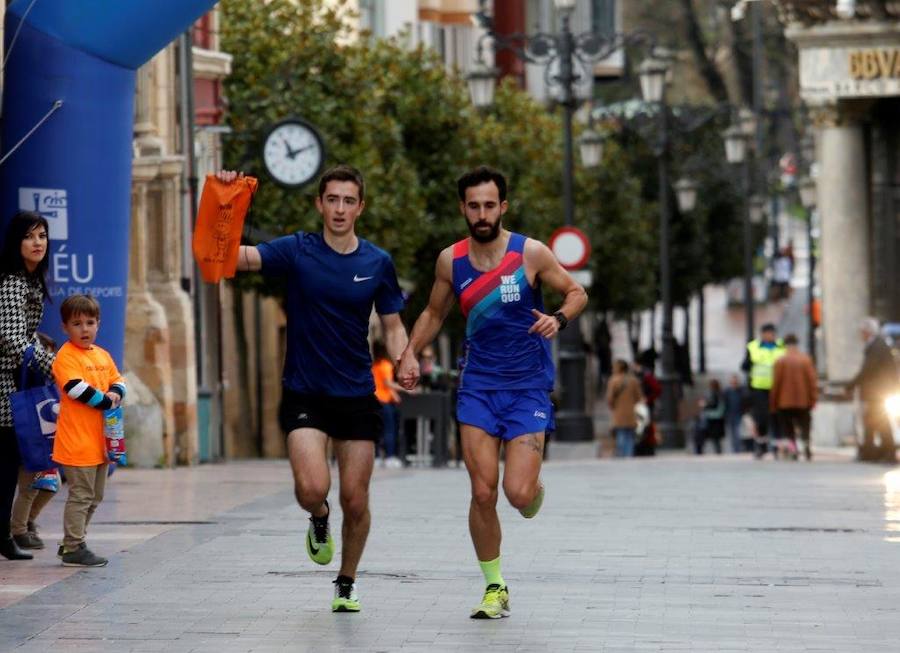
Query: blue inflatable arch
{"type": "Point", "coordinates": [70, 83]}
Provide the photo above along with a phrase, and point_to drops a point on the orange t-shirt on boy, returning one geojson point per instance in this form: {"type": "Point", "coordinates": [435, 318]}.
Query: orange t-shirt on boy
{"type": "Point", "coordinates": [79, 438]}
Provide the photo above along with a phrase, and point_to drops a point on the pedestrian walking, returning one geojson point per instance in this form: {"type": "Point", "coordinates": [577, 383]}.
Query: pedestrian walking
{"type": "Point", "coordinates": [623, 394]}
{"type": "Point", "coordinates": [735, 396]}
{"type": "Point", "coordinates": [782, 271]}
{"type": "Point", "coordinates": [647, 440]}
{"type": "Point", "coordinates": [387, 392]}
{"type": "Point", "coordinates": [89, 383]}
{"type": "Point", "coordinates": [23, 291]}
{"type": "Point", "coordinates": [876, 380]}
{"type": "Point", "coordinates": [759, 363]}
{"type": "Point", "coordinates": [507, 374]}
{"type": "Point", "coordinates": [712, 409]}
{"type": "Point", "coordinates": [793, 395]}
{"type": "Point", "coordinates": [334, 278]}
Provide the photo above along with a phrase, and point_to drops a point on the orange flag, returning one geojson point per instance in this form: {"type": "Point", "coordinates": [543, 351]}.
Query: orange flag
{"type": "Point", "coordinates": [220, 221]}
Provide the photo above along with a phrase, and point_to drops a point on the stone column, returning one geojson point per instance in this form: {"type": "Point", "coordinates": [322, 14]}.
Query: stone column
{"type": "Point", "coordinates": [845, 267]}
{"type": "Point", "coordinates": [164, 276]}
{"type": "Point", "coordinates": [146, 328]}
{"type": "Point", "coordinates": [146, 141]}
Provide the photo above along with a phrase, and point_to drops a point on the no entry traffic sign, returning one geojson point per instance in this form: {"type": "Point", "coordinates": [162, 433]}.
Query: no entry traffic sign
{"type": "Point", "coordinates": [571, 247]}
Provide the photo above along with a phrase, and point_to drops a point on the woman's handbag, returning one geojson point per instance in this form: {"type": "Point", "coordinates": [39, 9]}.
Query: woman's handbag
{"type": "Point", "coordinates": [34, 412]}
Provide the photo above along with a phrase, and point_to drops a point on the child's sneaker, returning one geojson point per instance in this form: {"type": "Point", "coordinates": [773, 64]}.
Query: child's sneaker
{"type": "Point", "coordinates": [82, 557]}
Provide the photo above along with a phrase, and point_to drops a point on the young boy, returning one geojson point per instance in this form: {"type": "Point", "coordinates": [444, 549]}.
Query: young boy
{"type": "Point", "coordinates": [89, 383]}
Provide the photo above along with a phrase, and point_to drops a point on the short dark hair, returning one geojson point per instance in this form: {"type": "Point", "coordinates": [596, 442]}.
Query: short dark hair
{"type": "Point", "coordinates": [11, 261]}
{"type": "Point", "coordinates": [478, 176]}
{"type": "Point", "coordinates": [343, 172]}
{"type": "Point", "coordinates": [768, 326]}
{"type": "Point", "coordinates": [79, 305]}
{"type": "Point", "coordinates": [791, 339]}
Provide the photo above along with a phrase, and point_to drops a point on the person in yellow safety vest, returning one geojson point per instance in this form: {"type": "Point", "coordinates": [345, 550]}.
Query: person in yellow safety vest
{"type": "Point", "coordinates": [759, 364]}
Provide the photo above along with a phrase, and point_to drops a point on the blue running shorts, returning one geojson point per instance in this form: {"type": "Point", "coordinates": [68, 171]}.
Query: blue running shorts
{"type": "Point", "coordinates": [506, 414]}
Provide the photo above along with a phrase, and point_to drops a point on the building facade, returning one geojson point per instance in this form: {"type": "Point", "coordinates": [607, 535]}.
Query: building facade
{"type": "Point", "coordinates": [850, 82]}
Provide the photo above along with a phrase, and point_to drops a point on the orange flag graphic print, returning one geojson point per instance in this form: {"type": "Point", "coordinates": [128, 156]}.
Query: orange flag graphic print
{"type": "Point", "coordinates": [220, 221]}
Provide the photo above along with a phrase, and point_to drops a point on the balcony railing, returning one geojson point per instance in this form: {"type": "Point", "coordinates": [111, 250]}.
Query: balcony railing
{"type": "Point", "coordinates": [810, 12]}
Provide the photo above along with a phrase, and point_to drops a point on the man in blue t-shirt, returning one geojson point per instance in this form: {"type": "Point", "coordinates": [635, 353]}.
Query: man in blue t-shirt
{"type": "Point", "coordinates": [333, 279]}
{"type": "Point", "coordinates": [507, 374]}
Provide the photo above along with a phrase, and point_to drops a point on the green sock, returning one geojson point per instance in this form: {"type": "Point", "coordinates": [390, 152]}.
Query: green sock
{"type": "Point", "coordinates": [491, 571]}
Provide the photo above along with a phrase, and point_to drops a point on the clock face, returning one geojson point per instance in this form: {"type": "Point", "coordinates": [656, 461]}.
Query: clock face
{"type": "Point", "coordinates": [293, 153]}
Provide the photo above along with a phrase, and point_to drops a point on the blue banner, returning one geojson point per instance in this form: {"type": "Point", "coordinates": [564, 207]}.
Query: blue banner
{"type": "Point", "coordinates": [75, 168]}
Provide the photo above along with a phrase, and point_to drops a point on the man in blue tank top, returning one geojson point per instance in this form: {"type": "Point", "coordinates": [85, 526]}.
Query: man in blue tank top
{"type": "Point", "coordinates": [507, 375]}
{"type": "Point", "coordinates": [333, 279]}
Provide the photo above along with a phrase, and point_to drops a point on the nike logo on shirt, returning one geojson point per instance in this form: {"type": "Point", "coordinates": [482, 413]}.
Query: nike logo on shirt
{"type": "Point", "coordinates": [357, 279]}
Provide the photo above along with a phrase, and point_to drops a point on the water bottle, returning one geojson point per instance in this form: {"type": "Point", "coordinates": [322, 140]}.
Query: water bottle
{"type": "Point", "coordinates": [114, 430]}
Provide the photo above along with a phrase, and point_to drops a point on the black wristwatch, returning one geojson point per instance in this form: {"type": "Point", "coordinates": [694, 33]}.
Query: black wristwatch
{"type": "Point", "coordinates": [562, 319]}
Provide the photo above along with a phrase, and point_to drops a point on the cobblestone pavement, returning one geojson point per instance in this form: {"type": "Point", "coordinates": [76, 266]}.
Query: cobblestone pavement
{"type": "Point", "coordinates": [670, 554]}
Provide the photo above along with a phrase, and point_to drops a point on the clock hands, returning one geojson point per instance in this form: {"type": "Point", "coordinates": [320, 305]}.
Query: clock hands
{"type": "Point", "coordinates": [292, 154]}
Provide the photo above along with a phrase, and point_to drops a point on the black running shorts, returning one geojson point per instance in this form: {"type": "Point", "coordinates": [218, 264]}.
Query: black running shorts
{"type": "Point", "coordinates": [343, 418]}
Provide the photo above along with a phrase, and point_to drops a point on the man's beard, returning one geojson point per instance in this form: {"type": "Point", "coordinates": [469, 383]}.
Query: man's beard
{"type": "Point", "coordinates": [484, 236]}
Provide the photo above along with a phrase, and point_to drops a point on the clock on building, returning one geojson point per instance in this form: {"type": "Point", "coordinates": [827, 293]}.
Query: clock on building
{"type": "Point", "coordinates": [293, 152]}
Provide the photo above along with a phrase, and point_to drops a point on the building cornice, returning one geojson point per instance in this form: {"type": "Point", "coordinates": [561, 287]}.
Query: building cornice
{"type": "Point", "coordinates": [211, 64]}
{"type": "Point", "coordinates": [843, 33]}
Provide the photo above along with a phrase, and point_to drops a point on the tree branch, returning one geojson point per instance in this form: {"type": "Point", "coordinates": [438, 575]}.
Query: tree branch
{"type": "Point", "coordinates": [708, 70]}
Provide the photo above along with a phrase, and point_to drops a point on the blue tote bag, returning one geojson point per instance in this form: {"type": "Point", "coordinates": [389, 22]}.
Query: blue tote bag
{"type": "Point", "coordinates": [34, 411]}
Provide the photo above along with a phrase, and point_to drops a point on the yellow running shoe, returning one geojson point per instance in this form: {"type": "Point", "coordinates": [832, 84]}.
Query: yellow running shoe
{"type": "Point", "coordinates": [345, 597]}
{"type": "Point", "coordinates": [494, 605]}
{"type": "Point", "coordinates": [534, 507]}
{"type": "Point", "coordinates": [319, 544]}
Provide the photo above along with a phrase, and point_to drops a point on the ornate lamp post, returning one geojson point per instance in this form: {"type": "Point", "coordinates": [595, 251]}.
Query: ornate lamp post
{"type": "Point", "coordinates": [570, 52]}
{"type": "Point", "coordinates": [686, 196]}
{"type": "Point", "coordinates": [736, 153]}
{"type": "Point", "coordinates": [653, 87]}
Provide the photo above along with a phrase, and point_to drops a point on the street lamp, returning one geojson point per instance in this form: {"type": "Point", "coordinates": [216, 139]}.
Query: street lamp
{"type": "Point", "coordinates": [591, 146]}
{"type": "Point", "coordinates": [736, 140]}
{"type": "Point", "coordinates": [567, 57]}
{"type": "Point", "coordinates": [735, 144]}
{"type": "Point", "coordinates": [652, 73]}
{"type": "Point", "coordinates": [747, 122]}
{"type": "Point", "coordinates": [808, 197]}
{"type": "Point", "coordinates": [757, 210]}
{"type": "Point", "coordinates": [808, 193]}
{"type": "Point", "coordinates": [686, 194]}
{"type": "Point", "coordinates": [482, 80]}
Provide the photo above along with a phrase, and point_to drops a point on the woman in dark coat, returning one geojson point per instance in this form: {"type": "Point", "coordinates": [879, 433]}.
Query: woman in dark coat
{"type": "Point", "coordinates": [23, 291]}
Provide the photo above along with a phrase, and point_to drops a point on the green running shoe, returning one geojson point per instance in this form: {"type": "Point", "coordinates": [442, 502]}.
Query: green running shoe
{"type": "Point", "coordinates": [345, 597]}
{"type": "Point", "coordinates": [319, 544]}
{"type": "Point", "coordinates": [534, 507]}
{"type": "Point", "coordinates": [494, 605]}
